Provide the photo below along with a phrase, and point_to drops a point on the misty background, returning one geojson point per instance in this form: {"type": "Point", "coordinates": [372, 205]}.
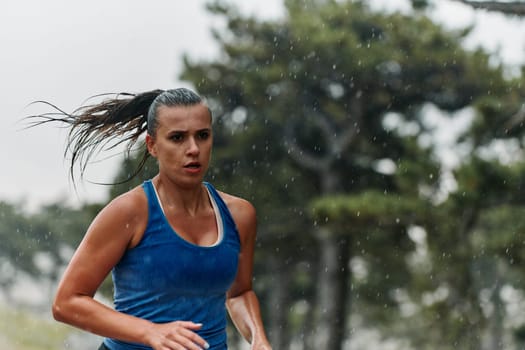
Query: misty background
{"type": "Point", "coordinates": [64, 52]}
{"type": "Point", "coordinates": [367, 229]}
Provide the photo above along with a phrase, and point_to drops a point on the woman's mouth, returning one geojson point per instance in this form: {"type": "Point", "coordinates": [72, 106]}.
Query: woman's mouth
{"type": "Point", "coordinates": [192, 167]}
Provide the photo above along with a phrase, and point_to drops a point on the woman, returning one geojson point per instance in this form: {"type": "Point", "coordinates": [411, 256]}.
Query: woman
{"type": "Point", "coordinates": [180, 252]}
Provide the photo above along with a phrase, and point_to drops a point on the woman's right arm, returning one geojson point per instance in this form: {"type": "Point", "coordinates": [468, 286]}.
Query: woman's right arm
{"type": "Point", "coordinates": [116, 228]}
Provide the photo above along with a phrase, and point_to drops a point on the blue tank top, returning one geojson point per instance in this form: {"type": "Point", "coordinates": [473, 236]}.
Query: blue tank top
{"type": "Point", "coordinates": [165, 278]}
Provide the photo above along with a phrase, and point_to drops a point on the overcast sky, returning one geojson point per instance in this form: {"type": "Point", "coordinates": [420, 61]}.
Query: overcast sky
{"type": "Point", "coordinates": [64, 51]}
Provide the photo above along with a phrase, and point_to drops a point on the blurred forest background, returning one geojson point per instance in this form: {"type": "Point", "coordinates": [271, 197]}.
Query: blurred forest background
{"type": "Point", "coordinates": [373, 234]}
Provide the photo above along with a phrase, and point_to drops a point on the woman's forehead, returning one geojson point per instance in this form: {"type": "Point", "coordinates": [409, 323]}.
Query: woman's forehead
{"type": "Point", "coordinates": [183, 114]}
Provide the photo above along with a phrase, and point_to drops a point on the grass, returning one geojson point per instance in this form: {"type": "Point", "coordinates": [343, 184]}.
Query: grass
{"type": "Point", "coordinates": [24, 330]}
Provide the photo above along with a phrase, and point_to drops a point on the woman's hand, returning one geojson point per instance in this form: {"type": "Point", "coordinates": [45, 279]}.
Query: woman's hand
{"type": "Point", "coordinates": [178, 335]}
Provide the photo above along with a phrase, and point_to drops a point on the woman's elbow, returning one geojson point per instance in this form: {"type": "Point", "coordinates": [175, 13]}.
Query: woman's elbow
{"type": "Point", "coordinates": [60, 309]}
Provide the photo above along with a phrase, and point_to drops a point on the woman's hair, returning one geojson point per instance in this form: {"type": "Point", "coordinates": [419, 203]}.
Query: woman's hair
{"type": "Point", "coordinates": [120, 119]}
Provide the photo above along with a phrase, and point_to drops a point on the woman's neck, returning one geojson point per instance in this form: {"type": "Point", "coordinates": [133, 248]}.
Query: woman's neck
{"type": "Point", "coordinates": [190, 200]}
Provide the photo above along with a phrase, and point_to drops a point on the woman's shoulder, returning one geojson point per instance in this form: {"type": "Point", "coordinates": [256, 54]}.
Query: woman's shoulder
{"type": "Point", "coordinates": [237, 203]}
{"type": "Point", "coordinates": [133, 201]}
{"type": "Point", "coordinates": [132, 204]}
{"type": "Point", "coordinates": [243, 212]}
{"type": "Point", "coordinates": [127, 213]}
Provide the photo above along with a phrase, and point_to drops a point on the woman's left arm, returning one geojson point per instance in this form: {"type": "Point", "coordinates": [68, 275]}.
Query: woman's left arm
{"type": "Point", "coordinates": [242, 302]}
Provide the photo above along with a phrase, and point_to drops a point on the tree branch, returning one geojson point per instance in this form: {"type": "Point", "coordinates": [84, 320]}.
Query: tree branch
{"type": "Point", "coordinates": [508, 8]}
{"type": "Point", "coordinates": [302, 157]}
{"type": "Point", "coordinates": [516, 120]}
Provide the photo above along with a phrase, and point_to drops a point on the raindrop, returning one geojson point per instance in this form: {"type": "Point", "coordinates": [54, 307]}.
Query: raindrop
{"type": "Point", "coordinates": [239, 115]}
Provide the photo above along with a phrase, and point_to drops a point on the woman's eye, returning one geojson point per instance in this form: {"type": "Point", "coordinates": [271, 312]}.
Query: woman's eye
{"type": "Point", "coordinates": [177, 137]}
{"type": "Point", "coordinates": [203, 135]}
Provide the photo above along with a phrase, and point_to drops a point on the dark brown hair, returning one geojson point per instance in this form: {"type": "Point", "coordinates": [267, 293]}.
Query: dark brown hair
{"type": "Point", "coordinates": [122, 118]}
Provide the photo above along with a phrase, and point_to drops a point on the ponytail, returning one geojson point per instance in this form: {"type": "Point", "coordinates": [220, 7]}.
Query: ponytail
{"type": "Point", "coordinates": [112, 122]}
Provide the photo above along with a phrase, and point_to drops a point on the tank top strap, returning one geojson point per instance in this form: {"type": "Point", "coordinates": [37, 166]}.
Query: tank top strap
{"type": "Point", "coordinates": [228, 222]}
{"type": "Point", "coordinates": [154, 208]}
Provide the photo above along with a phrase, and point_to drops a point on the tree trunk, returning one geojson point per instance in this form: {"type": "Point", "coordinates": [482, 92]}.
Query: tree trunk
{"type": "Point", "coordinates": [308, 326]}
{"type": "Point", "coordinates": [495, 321]}
{"type": "Point", "coordinates": [332, 296]}
{"type": "Point", "coordinates": [279, 304]}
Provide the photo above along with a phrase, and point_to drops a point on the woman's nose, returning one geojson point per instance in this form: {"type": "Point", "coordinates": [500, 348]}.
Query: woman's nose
{"type": "Point", "coordinates": [193, 147]}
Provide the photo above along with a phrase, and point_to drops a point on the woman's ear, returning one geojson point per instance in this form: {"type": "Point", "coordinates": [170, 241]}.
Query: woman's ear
{"type": "Point", "coordinates": [151, 145]}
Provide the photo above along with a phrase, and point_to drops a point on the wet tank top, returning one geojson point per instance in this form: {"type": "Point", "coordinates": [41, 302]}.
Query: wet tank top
{"type": "Point", "coordinates": [166, 278]}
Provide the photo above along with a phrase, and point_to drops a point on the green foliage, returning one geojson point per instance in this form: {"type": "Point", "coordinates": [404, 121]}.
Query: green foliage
{"type": "Point", "coordinates": [485, 183]}
{"type": "Point", "coordinates": [501, 232]}
{"type": "Point", "coordinates": [127, 176]}
{"type": "Point", "coordinates": [49, 230]}
{"type": "Point", "coordinates": [420, 4]}
{"type": "Point", "coordinates": [17, 246]}
{"type": "Point", "coordinates": [299, 106]}
{"type": "Point", "coordinates": [370, 209]}
{"type": "Point", "coordinates": [499, 113]}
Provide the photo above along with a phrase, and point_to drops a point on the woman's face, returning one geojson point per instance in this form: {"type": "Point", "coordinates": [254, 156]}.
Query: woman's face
{"type": "Point", "coordinates": [182, 142]}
